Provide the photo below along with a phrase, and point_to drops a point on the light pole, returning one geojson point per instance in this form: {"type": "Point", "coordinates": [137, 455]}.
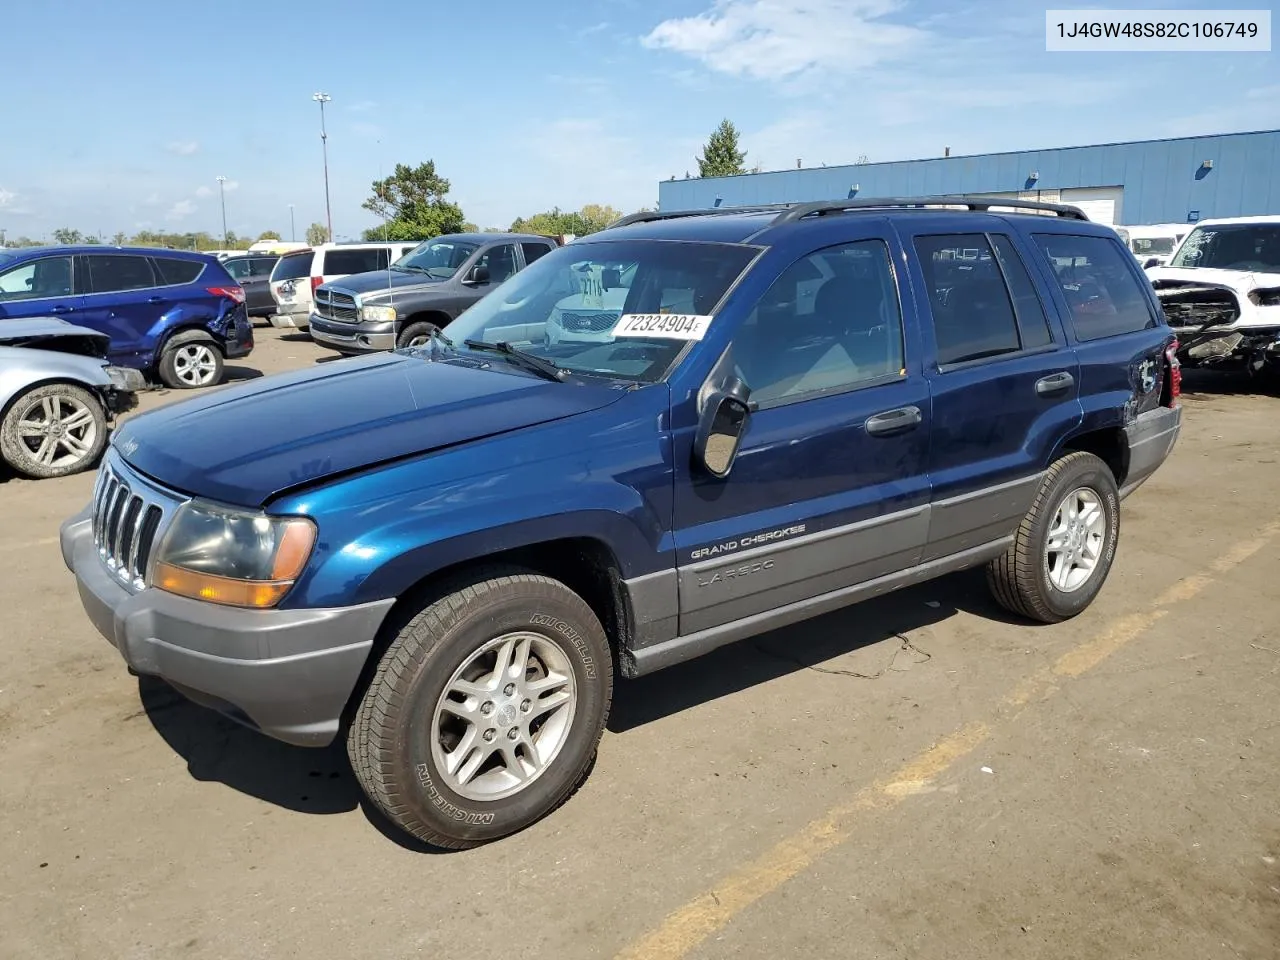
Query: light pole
{"type": "Point", "coordinates": [222, 192]}
{"type": "Point", "coordinates": [293, 232]}
{"type": "Point", "coordinates": [322, 99]}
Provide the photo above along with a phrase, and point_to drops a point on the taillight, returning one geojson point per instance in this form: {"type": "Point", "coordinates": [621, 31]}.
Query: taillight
{"type": "Point", "coordinates": [315, 282]}
{"type": "Point", "coordinates": [1173, 376]}
{"type": "Point", "coordinates": [231, 293]}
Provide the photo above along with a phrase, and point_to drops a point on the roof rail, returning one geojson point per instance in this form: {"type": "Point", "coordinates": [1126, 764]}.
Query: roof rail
{"type": "Point", "coordinates": [646, 216]}
{"type": "Point", "coordinates": [819, 208]}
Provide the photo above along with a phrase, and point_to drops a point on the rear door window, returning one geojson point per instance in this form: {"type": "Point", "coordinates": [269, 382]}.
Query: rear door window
{"type": "Point", "coordinates": [1033, 324]}
{"type": "Point", "coordinates": [173, 271]}
{"type": "Point", "coordinates": [114, 273]}
{"type": "Point", "coordinates": [973, 316]}
{"type": "Point", "coordinates": [293, 267]}
{"type": "Point", "coordinates": [360, 260]}
{"type": "Point", "coordinates": [1099, 280]}
{"type": "Point", "coordinates": [532, 251]}
{"type": "Point", "coordinates": [263, 266]}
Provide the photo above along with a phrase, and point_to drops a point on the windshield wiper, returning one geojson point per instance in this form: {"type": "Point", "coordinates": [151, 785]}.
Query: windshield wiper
{"type": "Point", "coordinates": [408, 268]}
{"type": "Point", "coordinates": [544, 368]}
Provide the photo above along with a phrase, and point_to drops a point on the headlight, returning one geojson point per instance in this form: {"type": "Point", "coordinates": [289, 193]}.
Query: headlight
{"type": "Point", "coordinates": [240, 558]}
{"type": "Point", "coordinates": [378, 314]}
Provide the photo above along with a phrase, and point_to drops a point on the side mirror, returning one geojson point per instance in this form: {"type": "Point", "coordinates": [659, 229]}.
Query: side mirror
{"type": "Point", "coordinates": [723, 424]}
{"type": "Point", "coordinates": [479, 274]}
{"type": "Point", "coordinates": [1151, 262]}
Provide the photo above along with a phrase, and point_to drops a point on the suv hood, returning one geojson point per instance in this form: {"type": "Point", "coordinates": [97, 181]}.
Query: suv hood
{"type": "Point", "coordinates": [369, 285]}
{"type": "Point", "coordinates": [244, 445]}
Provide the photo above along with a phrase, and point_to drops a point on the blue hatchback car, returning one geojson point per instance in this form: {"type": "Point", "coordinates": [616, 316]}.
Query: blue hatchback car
{"type": "Point", "coordinates": [444, 554]}
{"type": "Point", "coordinates": [174, 315]}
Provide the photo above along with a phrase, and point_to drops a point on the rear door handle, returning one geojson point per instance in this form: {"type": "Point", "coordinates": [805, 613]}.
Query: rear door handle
{"type": "Point", "coordinates": [60, 308]}
{"type": "Point", "coordinates": [155, 299]}
{"type": "Point", "coordinates": [894, 421]}
{"type": "Point", "coordinates": [1055, 383]}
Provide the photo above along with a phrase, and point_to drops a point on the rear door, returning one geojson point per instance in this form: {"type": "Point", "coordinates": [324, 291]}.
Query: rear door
{"type": "Point", "coordinates": [830, 486]}
{"type": "Point", "coordinates": [1004, 382]}
{"type": "Point", "coordinates": [124, 300]}
{"type": "Point", "coordinates": [40, 287]}
{"type": "Point", "coordinates": [290, 281]}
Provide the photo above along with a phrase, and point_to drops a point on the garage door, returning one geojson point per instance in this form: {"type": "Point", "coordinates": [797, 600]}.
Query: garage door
{"type": "Point", "coordinates": [1100, 204]}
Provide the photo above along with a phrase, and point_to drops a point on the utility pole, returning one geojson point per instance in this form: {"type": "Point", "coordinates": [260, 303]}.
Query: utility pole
{"type": "Point", "coordinates": [222, 192]}
{"type": "Point", "coordinates": [322, 99]}
{"type": "Point", "coordinates": [293, 232]}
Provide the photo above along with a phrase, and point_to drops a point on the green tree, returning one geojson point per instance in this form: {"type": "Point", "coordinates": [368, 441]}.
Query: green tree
{"type": "Point", "coordinates": [721, 156]}
{"type": "Point", "coordinates": [412, 205]}
{"type": "Point", "coordinates": [268, 235]}
{"type": "Point", "coordinates": [596, 216]}
{"type": "Point", "coordinates": [470, 227]}
{"type": "Point", "coordinates": [317, 234]}
{"type": "Point", "coordinates": [592, 218]}
{"type": "Point", "coordinates": [67, 235]}
{"type": "Point", "coordinates": [118, 239]}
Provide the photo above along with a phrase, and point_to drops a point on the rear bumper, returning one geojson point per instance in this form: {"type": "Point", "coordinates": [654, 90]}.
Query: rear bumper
{"type": "Point", "coordinates": [287, 673]}
{"type": "Point", "coordinates": [1150, 437]}
{"type": "Point", "coordinates": [362, 337]}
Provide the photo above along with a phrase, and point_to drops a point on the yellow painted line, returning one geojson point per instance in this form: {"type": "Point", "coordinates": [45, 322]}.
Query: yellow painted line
{"type": "Point", "coordinates": [712, 911]}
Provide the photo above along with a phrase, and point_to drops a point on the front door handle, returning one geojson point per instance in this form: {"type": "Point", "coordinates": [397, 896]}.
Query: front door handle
{"type": "Point", "coordinates": [155, 299]}
{"type": "Point", "coordinates": [60, 308]}
{"type": "Point", "coordinates": [1055, 383]}
{"type": "Point", "coordinates": [894, 421]}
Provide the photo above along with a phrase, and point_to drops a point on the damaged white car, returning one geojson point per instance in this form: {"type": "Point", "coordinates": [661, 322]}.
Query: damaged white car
{"type": "Point", "coordinates": [1221, 294]}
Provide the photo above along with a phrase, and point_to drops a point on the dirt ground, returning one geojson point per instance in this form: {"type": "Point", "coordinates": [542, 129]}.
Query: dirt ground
{"type": "Point", "coordinates": [916, 777]}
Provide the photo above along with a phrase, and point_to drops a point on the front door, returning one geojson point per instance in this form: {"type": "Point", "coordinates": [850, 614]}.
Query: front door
{"type": "Point", "coordinates": [830, 486]}
{"type": "Point", "coordinates": [39, 288]}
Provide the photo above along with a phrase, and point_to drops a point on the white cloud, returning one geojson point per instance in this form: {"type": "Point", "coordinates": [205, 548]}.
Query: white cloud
{"type": "Point", "coordinates": [183, 148]}
{"type": "Point", "coordinates": [781, 39]}
{"type": "Point", "coordinates": [153, 200]}
{"type": "Point", "coordinates": [7, 197]}
{"type": "Point", "coordinates": [203, 191]}
{"type": "Point", "coordinates": [180, 210]}
{"type": "Point", "coordinates": [230, 186]}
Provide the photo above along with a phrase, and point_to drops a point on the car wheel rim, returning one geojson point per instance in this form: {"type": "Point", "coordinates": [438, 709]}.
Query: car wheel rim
{"type": "Point", "coordinates": [195, 364]}
{"type": "Point", "coordinates": [1076, 540]}
{"type": "Point", "coordinates": [57, 431]}
{"type": "Point", "coordinates": [420, 341]}
{"type": "Point", "coordinates": [504, 716]}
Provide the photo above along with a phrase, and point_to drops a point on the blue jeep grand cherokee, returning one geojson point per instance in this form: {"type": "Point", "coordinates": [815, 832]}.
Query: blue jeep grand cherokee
{"type": "Point", "coordinates": [444, 552]}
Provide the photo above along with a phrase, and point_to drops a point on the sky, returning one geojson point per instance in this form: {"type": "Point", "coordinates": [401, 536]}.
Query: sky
{"type": "Point", "coordinates": [124, 114]}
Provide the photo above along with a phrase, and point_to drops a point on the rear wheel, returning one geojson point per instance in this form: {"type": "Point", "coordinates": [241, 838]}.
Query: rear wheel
{"type": "Point", "coordinates": [190, 360]}
{"type": "Point", "coordinates": [417, 334]}
{"type": "Point", "coordinates": [486, 710]}
{"type": "Point", "coordinates": [53, 431]}
{"type": "Point", "coordinates": [1065, 545]}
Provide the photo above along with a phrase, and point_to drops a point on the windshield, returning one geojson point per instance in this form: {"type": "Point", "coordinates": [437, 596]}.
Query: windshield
{"type": "Point", "coordinates": [293, 267]}
{"type": "Point", "coordinates": [436, 258]}
{"type": "Point", "coordinates": [1152, 246]}
{"type": "Point", "coordinates": [569, 306]}
{"type": "Point", "coordinates": [1232, 246]}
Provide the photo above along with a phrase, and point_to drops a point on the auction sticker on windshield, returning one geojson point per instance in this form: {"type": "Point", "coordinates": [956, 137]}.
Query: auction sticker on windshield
{"type": "Point", "coordinates": [672, 326]}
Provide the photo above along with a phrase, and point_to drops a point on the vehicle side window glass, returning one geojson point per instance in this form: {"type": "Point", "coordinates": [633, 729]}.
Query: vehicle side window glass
{"type": "Point", "coordinates": [293, 268]}
{"type": "Point", "coordinates": [1098, 280]}
{"type": "Point", "coordinates": [262, 267]}
{"type": "Point", "coordinates": [239, 269]}
{"type": "Point", "coordinates": [37, 279]}
{"type": "Point", "coordinates": [532, 251]}
{"type": "Point", "coordinates": [116, 272]}
{"type": "Point", "coordinates": [972, 313]}
{"type": "Point", "coordinates": [831, 322]}
{"type": "Point", "coordinates": [500, 260]}
{"type": "Point", "coordinates": [1032, 321]}
{"type": "Point", "coordinates": [350, 261]}
{"type": "Point", "coordinates": [177, 271]}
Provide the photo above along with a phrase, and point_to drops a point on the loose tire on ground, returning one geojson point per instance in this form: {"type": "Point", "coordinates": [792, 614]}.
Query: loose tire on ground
{"type": "Point", "coordinates": [416, 334]}
{"type": "Point", "coordinates": [404, 741]}
{"type": "Point", "coordinates": [1023, 579]}
{"type": "Point", "coordinates": [190, 360]}
{"type": "Point", "coordinates": [53, 431]}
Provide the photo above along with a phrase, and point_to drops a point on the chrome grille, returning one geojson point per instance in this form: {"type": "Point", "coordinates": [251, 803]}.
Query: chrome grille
{"type": "Point", "coordinates": [333, 305]}
{"type": "Point", "coordinates": [127, 515]}
{"type": "Point", "coordinates": [580, 320]}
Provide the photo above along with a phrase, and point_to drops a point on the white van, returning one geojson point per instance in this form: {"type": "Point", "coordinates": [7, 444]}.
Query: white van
{"type": "Point", "coordinates": [1155, 241]}
{"type": "Point", "coordinates": [297, 274]}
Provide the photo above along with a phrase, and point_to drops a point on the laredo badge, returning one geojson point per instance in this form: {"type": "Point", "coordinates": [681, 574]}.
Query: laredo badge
{"type": "Point", "coordinates": [669, 326]}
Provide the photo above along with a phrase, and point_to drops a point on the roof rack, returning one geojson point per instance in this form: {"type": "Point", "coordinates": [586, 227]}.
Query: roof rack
{"type": "Point", "coordinates": [822, 207]}
{"type": "Point", "coordinates": [646, 216]}
{"type": "Point", "coordinates": [790, 212]}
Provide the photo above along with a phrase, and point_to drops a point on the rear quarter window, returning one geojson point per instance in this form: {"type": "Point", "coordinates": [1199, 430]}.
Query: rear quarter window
{"type": "Point", "coordinates": [293, 267]}
{"type": "Point", "coordinates": [1097, 279]}
{"type": "Point", "coordinates": [173, 271]}
{"type": "Point", "coordinates": [353, 261]}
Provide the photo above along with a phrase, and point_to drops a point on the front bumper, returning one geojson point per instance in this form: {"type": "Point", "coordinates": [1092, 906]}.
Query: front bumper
{"type": "Point", "coordinates": [362, 337]}
{"type": "Point", "coordinates": [287, 673]}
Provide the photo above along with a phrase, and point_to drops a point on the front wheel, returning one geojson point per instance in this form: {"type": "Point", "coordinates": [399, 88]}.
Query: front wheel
{"type": "Point", "coordinates": [485, 712]}
{"type": "Point", "coordinates": [1065, 545]}
{"type": "Point", "coordinates": [53, 431]}
{"type": "Point", "coordinates": [417, 334]}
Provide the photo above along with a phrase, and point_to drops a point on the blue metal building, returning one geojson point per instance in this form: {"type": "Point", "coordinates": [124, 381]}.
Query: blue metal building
{"type": "Point", "coordinates": [1148, 181]}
